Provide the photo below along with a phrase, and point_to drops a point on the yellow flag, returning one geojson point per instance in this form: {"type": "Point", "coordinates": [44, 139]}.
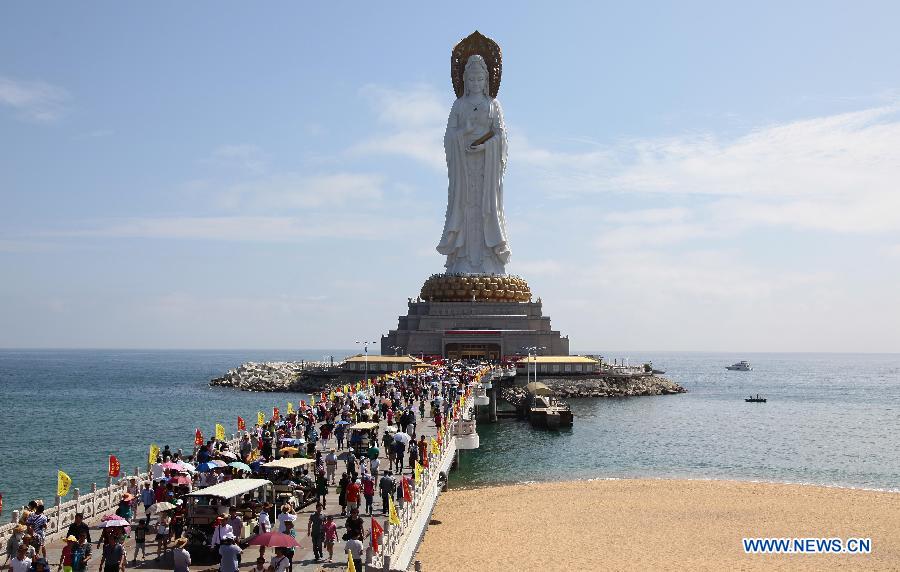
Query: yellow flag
{"type": "Point", "coordinates": [260, 417]}
{"type": "Point", "coordinates": [351, 567]}
{"type": "Point", "coordinates": [63, 482]}
{"type": "Point", "coordinates": [220, 432]}
{"type": "Point", "coordinates": [393, 517]}
{"type": "Point", "coordinates": [154, 453]}
{"type": "Point", "coordinates": [434, 447]}
{"type": "Point", "coordinates": [290, 408]}
{"type": "Point", "coordinates": [417, 472]}
{"type": "Point", "coordinates": [331, 396]}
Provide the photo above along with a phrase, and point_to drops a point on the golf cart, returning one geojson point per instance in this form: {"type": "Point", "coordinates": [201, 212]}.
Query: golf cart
{"type": "Point", "coordinates": [204, 505]}
{"type": "Point", "coordinates": [291, 486]}
{"type": "Point", "coordinates": [362, 435]}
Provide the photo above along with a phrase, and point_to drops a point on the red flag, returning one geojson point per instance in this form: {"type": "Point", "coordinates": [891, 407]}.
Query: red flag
{"type": "Point", "coordinates": [302, 404]}
{"type": "Point", "coordinates": [407, 494]}
{"type": "Point", "coordinates": [241, 425]}
{"type": "Point", "coordinates": [114, 466]}
{"type": "Point", "coordinates": [377, 533]}
{"type": "Point", "coordinates": [198, 438]}
{"type": "Point", "coordinates": [323, 396]}
{"type": "Point", "coordinates": [275, 413]}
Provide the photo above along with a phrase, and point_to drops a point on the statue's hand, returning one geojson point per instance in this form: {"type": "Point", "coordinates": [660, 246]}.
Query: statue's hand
{"type": "Point", "coordinates": [475, 149]}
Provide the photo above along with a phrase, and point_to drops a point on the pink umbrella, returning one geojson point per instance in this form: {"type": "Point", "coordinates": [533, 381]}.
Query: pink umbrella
{"type": "Point", "coordinates": [169, 465]}
{"type": "Point", "coordinates": [274, 539]}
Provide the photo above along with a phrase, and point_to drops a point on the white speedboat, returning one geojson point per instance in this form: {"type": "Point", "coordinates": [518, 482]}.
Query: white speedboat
{"type": "Point", "coordinates": [740, 366]}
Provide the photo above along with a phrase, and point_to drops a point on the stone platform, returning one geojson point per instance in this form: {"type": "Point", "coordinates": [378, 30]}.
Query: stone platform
{"type": "Point", "coordinates": [473, 329]}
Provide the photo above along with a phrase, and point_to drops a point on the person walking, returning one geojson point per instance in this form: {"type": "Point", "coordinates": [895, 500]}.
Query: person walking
{"type": "Point", "coordinates": [330, 530]}
{"type": "Point", "coordinates": [181, 558]}
{"type": "Point", "coordinates": [315, 529]}
{"type": "Point", "coordinates": [140, 541]}
{"type": "Point", "coordinates": [386, 486]}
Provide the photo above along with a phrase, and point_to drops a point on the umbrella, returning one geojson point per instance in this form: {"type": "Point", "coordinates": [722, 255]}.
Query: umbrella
{"type": "Point", "coordinates": [401, 436]}
{"type": "Point", "coordinates": [204, 467]}
{"type": "Point", "coordinates": [162, 506]}
{"type": "Point", "coordinates": [180, 480]}
{"type": "Point", "coordinates": [187, 466]}
{"type": "Point", "coordinates": [255, 465]}
{"type": "Point", "coordinates": [227, 455]}
{"type": "Point", "coordinates": [218, 463]}
{"type": "Point", "coordinates": [342, 422]}
{"type": "Point", "coordinates": [118, 521]}
{"type": "Point", "coordinates": [171, 466]}
{"type": "Point", "coordinates": [290, 450]}
{"type": "Point", "coordinates": [240, 466]}
{"type": "Point", "coordinates": [274, 539]}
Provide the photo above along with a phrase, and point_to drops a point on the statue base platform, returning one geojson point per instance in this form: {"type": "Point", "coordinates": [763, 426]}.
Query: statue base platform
{"type": "Point", "coordinates": [474, 329]}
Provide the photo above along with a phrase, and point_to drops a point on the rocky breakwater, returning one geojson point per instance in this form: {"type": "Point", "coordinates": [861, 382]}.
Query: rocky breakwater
{"type": "Point", "coordinates": [612, 386]}
{"type": "Point", "coordinates": [269, 376]}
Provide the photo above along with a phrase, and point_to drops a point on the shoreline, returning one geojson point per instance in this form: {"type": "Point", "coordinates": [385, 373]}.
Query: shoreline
{"type": "Point", "coordinates": [501, 484]}
{"type": "Point", "coordinates": [660, 524]}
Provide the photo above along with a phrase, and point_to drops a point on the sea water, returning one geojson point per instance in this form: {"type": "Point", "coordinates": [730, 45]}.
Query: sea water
{"type": "Point", "coordinates": [830, 419]}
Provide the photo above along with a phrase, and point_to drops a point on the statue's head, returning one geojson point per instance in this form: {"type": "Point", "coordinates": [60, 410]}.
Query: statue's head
{"type": "Point", "coordinates": [475, 75]}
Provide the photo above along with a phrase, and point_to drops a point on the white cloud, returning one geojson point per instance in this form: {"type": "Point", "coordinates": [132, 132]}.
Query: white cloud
{"type": "Point", "coordinates": [245, 157]}
{"type": "Point", "coordinates": [414, 120]}
{"type": "Point", "coordinates": [33, 100]}
{"type": "Point", "coordinates": [296, 191]}
{"type": "Point", "coordinates": [248, 228]}
{"type": "Point", "coordinates": [835, 173]}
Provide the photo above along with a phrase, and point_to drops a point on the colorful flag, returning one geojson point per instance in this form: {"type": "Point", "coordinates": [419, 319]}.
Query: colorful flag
{"type": "Point", "coordinates": [114, 466]}
{"type": "Point", "coordinates": [377, 533]}
{"type": "Point", "coordinates": [275, 413]}
{"type": "Point", "coordinates": [290, 408]}
{"type": "Point", "coordinates": [220, 432]}
{"type": "Point", "coordinates": [435, 448]}
{"type": "Point", "coordinates": [393, 517]}
{"type": "Point", "coordinates": [407, 494]}
{"type": "Point", "coordinates": [198, 438]}
{"type": "Point", "coordinates": [63, 482]}
{"type": "Point", "coordinates": [351, 567]}
{"type": "Point", "coordinates": [154, 453]}
{"type": "Point", "coordinates": [417, 472]}
{"type": "Point", "coordinates": [241, 424]}
{"type": "Point", "coordinates": [260, 417]}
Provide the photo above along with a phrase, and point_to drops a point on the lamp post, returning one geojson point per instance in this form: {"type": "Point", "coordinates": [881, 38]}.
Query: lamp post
{"type": "Point", "coordinates": [365, 344]}
{"type": "Point", "coordinates": [533, 351]}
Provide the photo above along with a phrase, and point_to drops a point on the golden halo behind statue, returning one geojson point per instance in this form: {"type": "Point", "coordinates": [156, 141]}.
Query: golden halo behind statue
{"type": "Point", "coordinates": [476, 43]}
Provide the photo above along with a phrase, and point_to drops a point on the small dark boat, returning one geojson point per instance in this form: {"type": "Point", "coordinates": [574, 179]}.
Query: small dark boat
{"type": "Point", "coordinates": [756, 399]}
{"type": "Point", "coordinates": [658, 372]}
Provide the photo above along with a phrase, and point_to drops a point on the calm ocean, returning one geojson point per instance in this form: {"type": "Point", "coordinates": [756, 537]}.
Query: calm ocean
{"type": "Point", "coordinates": [831, 419]}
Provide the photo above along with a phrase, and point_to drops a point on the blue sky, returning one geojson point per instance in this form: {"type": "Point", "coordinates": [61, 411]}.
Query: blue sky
{"type": "Point", "coordinates": [223, 175]}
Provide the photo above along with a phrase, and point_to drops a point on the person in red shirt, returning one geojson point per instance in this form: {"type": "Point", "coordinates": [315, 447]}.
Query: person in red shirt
{"type": "Point", "coordinates": [353, 489]}
{"type": "Point", "coordinates": [368, 492]}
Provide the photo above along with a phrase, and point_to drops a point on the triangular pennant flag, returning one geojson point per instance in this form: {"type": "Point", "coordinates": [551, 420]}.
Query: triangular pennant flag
{"type": "Point", "coordinates": [114, 466]}
{"type": "Point", "coordinates": [393, 517]}
{"type": "Point", "coordinates": [377, 533]}
{"type": "Point", "coordinates": [63, 482]}
{"type": "Point", "coordinates": [407, 494]}
{"type": "Point", "coordinates": [290, 407]}
{"type": "Point", "coordinates": [154, 453]}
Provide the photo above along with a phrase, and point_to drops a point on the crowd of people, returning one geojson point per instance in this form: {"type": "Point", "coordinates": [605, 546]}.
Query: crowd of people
{"type": "Point", "coordinates": [358, 464]}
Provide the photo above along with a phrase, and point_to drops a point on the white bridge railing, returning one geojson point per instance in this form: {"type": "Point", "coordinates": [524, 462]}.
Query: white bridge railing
{"type": "Point", "coordinates": [400, 542]}
{"type": "Point", "coordinates": [94, 505]}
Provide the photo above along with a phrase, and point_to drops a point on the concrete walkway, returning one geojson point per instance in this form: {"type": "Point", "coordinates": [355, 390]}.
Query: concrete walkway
{"type": "Point", "coordinates": [303, 556]}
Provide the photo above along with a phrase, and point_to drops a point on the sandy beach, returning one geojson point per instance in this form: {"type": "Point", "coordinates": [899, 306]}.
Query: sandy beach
{"type": "Point", "coordinates": [655, 525]}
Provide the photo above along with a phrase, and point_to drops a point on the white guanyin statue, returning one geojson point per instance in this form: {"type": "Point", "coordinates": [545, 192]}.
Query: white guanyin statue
{"type": "Point", "coordinates": [474, 238]}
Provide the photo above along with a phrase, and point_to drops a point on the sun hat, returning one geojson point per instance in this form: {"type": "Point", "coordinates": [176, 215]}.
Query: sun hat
{"type": "Point", "coordinates": [20, 528]}
{"type": "Point", "coordinates": [181, 541]}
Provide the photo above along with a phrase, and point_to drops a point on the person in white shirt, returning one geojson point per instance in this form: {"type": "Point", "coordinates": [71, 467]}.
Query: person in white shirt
{"type": "Point", "coordinates": [157, 471]}
{"type": "Point", "coordinates": [287, 513]}
{"type": "Point", "coordinates": [354, 548]}
{"type": "Point", "coordinates": [21, 563]}
{"type": "Point", "coordinates": [264, 525]}
{"type": "Point", "coordinates": [220, 531]}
